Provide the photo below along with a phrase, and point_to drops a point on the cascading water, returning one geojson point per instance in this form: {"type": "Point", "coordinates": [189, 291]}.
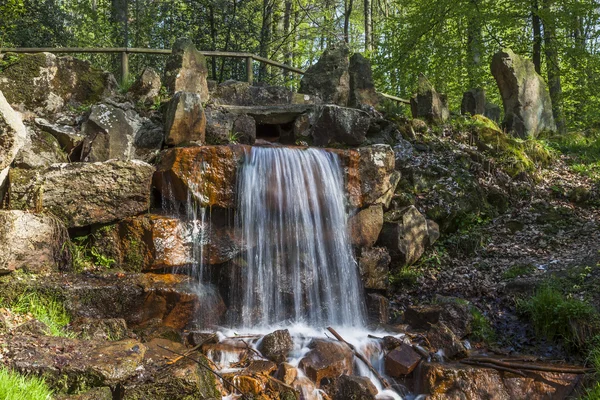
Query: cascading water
{"type": "Point", "coordinates": [298, 265]}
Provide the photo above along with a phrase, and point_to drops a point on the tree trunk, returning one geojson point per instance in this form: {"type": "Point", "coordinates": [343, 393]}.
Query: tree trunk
{"type": "Point", "coordinates": [368, 19]}
{"type": "Point", "coordinates": [265, 36]}
{"type": "Point", "coordinates": [287, 56]}
{"type": "Point", "coordinates": [347, 12]}
{"type": "Point", "coordinates": [537, 36]}
{"type": "Point", "coordinates": [213, 36]}
{"type": "Point", "coordinates": [119, 19]}
{"type": "Point", "coordinates": [474, 47]}
{"type": "Point", "coordinates": [552, 65]}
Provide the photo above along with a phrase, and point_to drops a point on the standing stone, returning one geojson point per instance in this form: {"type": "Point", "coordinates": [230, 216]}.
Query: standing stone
{"type": "Point", "coordinates": [33, 242]}
{"type": "Point", "coordinates": [527, 104]}
{"type": "Point", "coordinates": [147, 86]}
{"type": "Point", "coordinates": [185, 120]}
{"type": "Point", "coordinates": [329, 78]}
{"type": "Point", "coordinates": [473, 102]}
{"type": "Point", "coordinates": [12, 138]}
{"type": "Point", "coordinates": [365, 226]}
{"type": "Point", "coordinates": [428, 103]}
{"type": "Point", "coordinates": [186, 70]}
{"type": "Point", "coordinates": [405, 235]}
{"type": "Point", "coordinates": [362, 88]}
{"type": "Point", "coordinates": [492, 111]}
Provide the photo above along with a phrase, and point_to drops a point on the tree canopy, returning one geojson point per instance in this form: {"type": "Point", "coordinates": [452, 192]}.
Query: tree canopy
{"type": "Point", "coordinates": [451, 41]}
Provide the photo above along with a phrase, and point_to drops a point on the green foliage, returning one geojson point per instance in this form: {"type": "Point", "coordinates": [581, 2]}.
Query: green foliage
{"type": "Point", "coordinates": [481, 329]}
{"type": "Point", "coordinates": [557, 317]}
{"type": "Point", "coordinates": [86, 256]}
{"type": "Point", "coordinates": [14, 386]}
{"type": "Point", "coordinates": [517, 270]}
{"type": "Point", "coordinates": [406, 277]}
{"type": "Point", "coordinates": [125, 86]}
{"type": "Point", "coordinates": [582, 151]}
{"type": "Point", "coordinates": [233, 137]}
{"type": "Point", "coordinates": [45, 309]}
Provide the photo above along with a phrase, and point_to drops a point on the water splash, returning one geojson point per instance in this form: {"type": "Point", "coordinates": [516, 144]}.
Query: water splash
{"type": "Point", "coordinates": [298, 265]}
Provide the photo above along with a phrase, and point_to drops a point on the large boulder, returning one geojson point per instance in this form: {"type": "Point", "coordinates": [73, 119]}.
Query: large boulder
{"type": "Point", "coordinates": [185, 120]}
{"type": "Point", "coordinates": [33, 242]}
{"type": "Point", "coordinates": [45, 84]}
{"type": "Point", "coordinates": [362, 87]}
{"type": "Point", "coordinates": [243, 94]}
{"type": "Point", "coordinates": [365, 226]}
{"type": "Point", "coordinates": [335, 124]}
{"type": "Point", "coordinates": [355, 388]}
{"type": "Point", "coordinates": [329, 78]}
{"type": "Point", "coordinates": [527, 103]}
{"type": "Point", "coordinates": [455, 313]}
{"type": "Point", "coordinates": [13, 136]}
{"type": "Point", "coordinates": [83, 194]}
{"type": "Point", "coordinates": [374, 268]}
{"type": "Point", "coordinates": [71, 365]}
{"type": "Point", "coordinates": [405, 235]}
{"type": "Point", "coordinates": [473, 102]}
{"type": "Point", "coordinates": [457, 381]}
{"type": "Point", "coordinates": [326, 361]}
{"type": "Point", "coordinates": [41, 150]}
{"type": "Point", "coordinates": [428, 104]}
{"type": "Point", "coordinates": [223, 127]}
{"type": "Point", "coordinates": [186, 70]}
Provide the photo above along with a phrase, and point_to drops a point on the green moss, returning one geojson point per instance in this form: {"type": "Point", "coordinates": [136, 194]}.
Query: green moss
{"type": "Point", "coordinates": [481, 329]}
{"type": "Point", "coordinates": [517, 270]}
{"type": "Point", "coordinates": [405, 277]}
{"type": "Point", "coordinates": [45, 309]}
{"type": "Point", "coordinates": [20, 72]}
{"type": "Point", "coordinates": [134, 257]}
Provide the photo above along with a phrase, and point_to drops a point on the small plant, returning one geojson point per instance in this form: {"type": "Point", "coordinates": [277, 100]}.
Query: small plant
{"type": "Point", "coordinates": [557, 317]}
{"type": "Point", "coordinates": [405, 277]}
{"type": "Point", "coordinates": [85, 256]}
{"type": "Point", "coordinates": [126, 85]}
{"type": "Point", "coordinates": [14, 386]}
{"type": "Point", "coordinates": [233, 137]}
{"type": "Point", "coordinates": [517, 270]}
{"type": "Point", "coordinates": [45, 309]}
{"type": "Point", "coordinates": [481, 329]}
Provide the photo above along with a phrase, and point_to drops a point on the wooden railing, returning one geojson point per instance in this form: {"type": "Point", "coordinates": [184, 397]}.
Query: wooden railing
{"type": "Point", "coordinates": [125, 51]}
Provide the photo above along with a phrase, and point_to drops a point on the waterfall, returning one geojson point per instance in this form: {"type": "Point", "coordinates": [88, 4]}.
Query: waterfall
{"type": "Point", "coordinates": [298, 264]}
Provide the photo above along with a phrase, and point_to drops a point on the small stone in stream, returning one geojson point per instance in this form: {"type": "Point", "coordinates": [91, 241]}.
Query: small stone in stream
{"type": "Point", "coordinates": [442, 338]}
{"type": "Point", "coordinates": [326, 361]}
{"type": "Point", "coordinates": [391, 342]}
{"type": "Point", "coordinates": [261, 367]}
{"type": "Point", "coordinates": [401, 361]}
{"type": "Point", "coordinates": [355, 388]}
{"type": "Point", "coordinates": [286, 373]}
{"type": "Point", "coordinates": [277, 345]}
{"type": "Point", "coordinates": [196, 338]}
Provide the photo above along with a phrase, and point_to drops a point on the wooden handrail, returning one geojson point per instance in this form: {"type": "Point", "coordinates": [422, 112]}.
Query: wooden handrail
{"type": "Point", "coordinates": [124, 51]}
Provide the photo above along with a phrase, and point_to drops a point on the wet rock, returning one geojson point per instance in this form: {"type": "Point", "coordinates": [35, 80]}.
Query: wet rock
{"type": "Point", "coordinates": [455, 313]}
{"type": "Point", "coordinates": [457, 381]}
{"type": "Point", "coordinates": [326, 361]}
{"type": "Point", "coordinates": [260, 367]}
{"type": "Point", "coordinates": [401, 361]}
{"type": "Point", "coordinates": [405, 235]}
{"type": "Point", "coordinates": [182, 380]}
{"type": "Point", "coordinates": [428, 103]}
{"type": "Point", "coordinates": [84, 193]}
{"type": "Point", "coordinates": [286, 373]}
{"type": "Point", "coordinates": [391, 342]}
{"type": "Point", "coordinates": [100, 393]}
{"type": "Point", "coordinates": [339, 124]}
{"type": "Point", "coordinates": [362, 87]}
{"type": "Point", "coordinates": [378, 308]}
{"type": "Point", "coordinates": [68, 138]}
{"type": "Point", "coordinates": [109, 133]}
{"type": "Point", "coordinates": [35, 243]}
{"type": "Point", "coordinates": [365, 226]}
{"type": "Point", "coordinates": [355, 388]}
{"type": "Point", "coordinates": [197, 338]}
{"type": "Point", "coordinates": [72, 365]}
{"type": "Point", "coordinates": [329, 78]}
{"type": "Point", "coordinates": [147, 86]}
{"type": "Point", "coordinates": [493, 112]}
{"type": "Point", "coordinates": [374, 268]}
{"type": "Point", "coordinates": [441, 338]}
{"type": "Point", "coordinates": [276, 346]}
{"type": "Point", "coordinates": [473, 102]}
{"type": "Point", "coordinates": [39, 151]}
{"type": "Point", "coordinates": [142, 300]}
{"type": "Point", "coordinates": [13, 136]}
{"type": "Point", "coordinates": [527, 104]}
{"type": "Point", "coordinates": [183, 170]}
{"type": "Point", "coordinates": [186, 70]}
{"type": "Point", "coordinates": [185, 121]}
{"type": "Point", "coordinates": [45, 84]}
{"type": "Point", "coordinates": [100, 329]}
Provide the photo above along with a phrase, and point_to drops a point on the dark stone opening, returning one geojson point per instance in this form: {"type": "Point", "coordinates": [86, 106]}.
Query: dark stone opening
{"type": "Point", "coordinates": [276, 133]}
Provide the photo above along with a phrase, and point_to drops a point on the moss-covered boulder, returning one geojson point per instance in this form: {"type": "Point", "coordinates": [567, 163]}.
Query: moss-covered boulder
{"type": "Point", "coordinates": [45, 84]}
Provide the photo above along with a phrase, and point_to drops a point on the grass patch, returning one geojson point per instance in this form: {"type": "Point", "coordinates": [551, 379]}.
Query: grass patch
{"type": "Point", "coordinates": [582, 150]}
{"type": "Point", "coordinates": [86, 256]}
{"type": "Point", "coordinates": [517, 270]}
{"type": "Point", "coordinates": [14, 386]}
{"type": "Point", "coordinates": [481, 329]}
{"type": "Point", "coordinates": [405, 277]}
{"type": "Point", "coordinates": [45, 309]}
{"type": "Point", "coordinates": [559, 318]}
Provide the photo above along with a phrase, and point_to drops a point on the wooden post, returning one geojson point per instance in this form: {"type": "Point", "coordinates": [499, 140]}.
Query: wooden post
{"type": "Point", "coordinates": [124, 68]}
{"type": "Point", "coordinates": [249, 70]}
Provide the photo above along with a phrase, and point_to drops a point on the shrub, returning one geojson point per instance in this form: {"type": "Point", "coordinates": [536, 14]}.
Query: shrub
{"type": "Point", "coordinates": [14, 386]}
